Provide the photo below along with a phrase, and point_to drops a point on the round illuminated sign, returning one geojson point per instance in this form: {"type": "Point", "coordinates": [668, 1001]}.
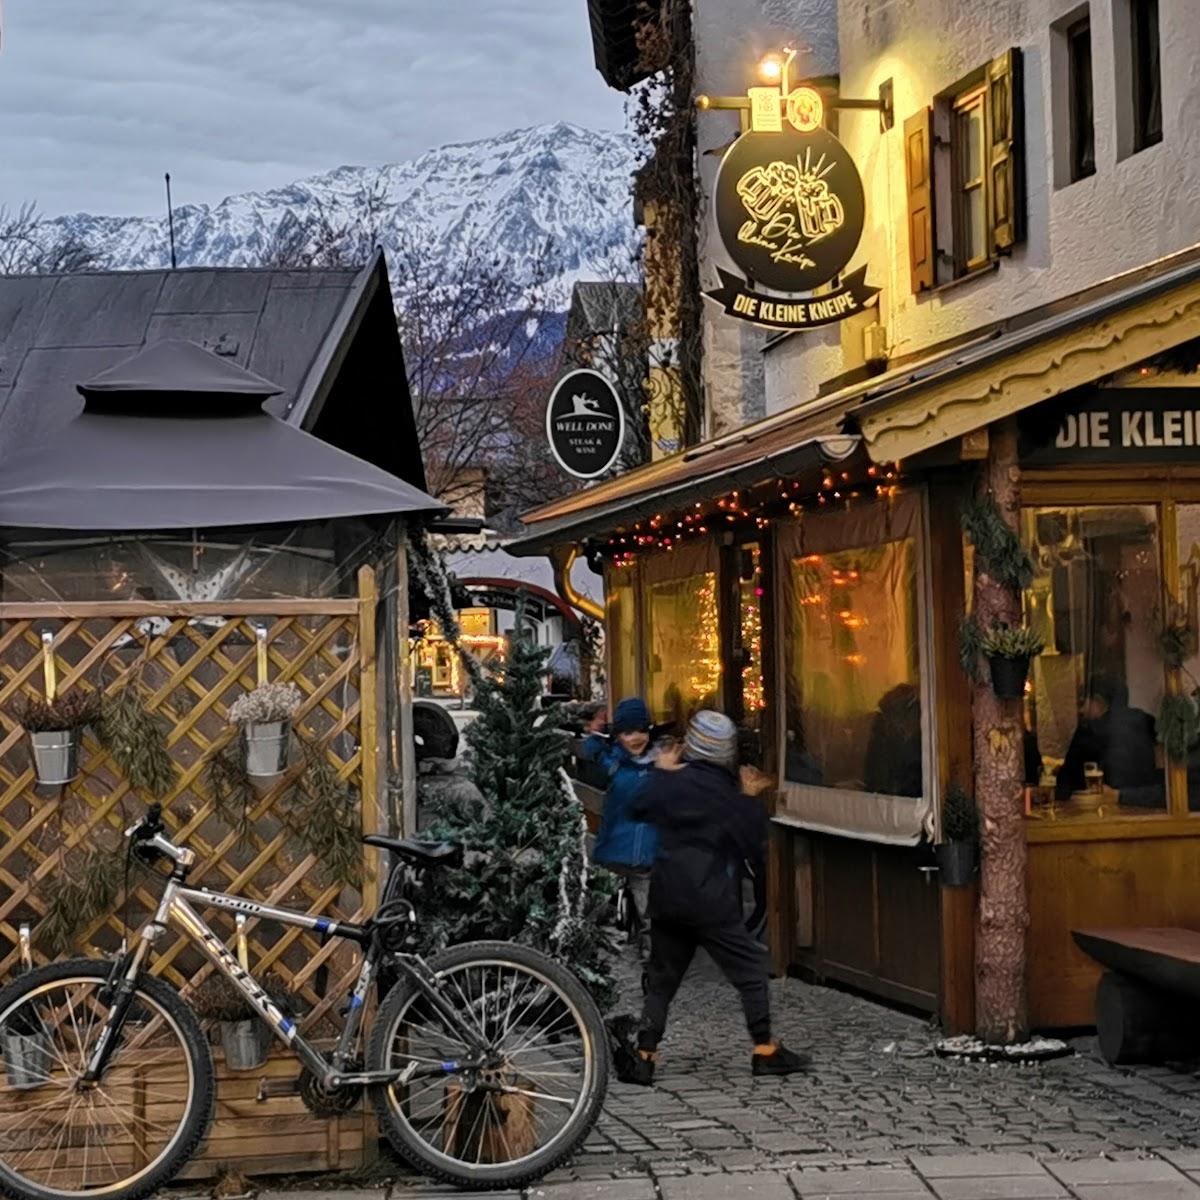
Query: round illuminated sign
{"type": "Point", "coordinates": [585, 424]}
{"type": "Point", "coordinates": [790, 205]}
{"type": "Point", "coordinates": [806, 109]}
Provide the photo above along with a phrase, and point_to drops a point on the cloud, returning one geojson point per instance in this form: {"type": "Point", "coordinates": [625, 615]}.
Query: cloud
{"type": "Point", "coordinates": [98, 99]}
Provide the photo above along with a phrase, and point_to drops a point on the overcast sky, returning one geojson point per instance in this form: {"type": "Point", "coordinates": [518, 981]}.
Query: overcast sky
{"type": "Point", "coordinates": [99, 97]}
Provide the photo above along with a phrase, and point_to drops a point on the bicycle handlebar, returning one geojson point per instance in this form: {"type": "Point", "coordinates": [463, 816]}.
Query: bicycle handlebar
{"type": "Point", "coordinates": [148, 833]}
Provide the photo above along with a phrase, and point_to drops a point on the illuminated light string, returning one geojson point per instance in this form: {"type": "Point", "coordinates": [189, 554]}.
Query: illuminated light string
{"type": "Point", "coordinates": [664, 531]}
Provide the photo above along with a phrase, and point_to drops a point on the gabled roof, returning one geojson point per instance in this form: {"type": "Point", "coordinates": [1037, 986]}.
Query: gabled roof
{"type": "Point", "coordinates": [298, 328]}
{"type": "Point", "coordinates": [614, 41]}
{"type": "Point", "coordinates": [602, 307]}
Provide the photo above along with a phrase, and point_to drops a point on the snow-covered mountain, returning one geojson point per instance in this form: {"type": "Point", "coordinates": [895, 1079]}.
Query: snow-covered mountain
{"type": "Point", "coordinates": [555, 195]}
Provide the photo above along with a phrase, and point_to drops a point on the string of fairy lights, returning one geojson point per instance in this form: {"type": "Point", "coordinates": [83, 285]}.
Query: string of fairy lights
{"type": "Point", "coordinates": [775, 500]}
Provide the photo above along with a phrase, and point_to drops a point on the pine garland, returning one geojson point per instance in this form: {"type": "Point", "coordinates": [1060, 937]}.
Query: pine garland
{"type": "Point", "coordinates": [231, 788]}
{"type": "Point", "coordinates": [999, 548]}
{"type": "Point", "coordinates": [137, 740]}
{"type": "Point", "coordinates": [1178, 726]}
{"type": "Point", "coordinates": [434, 578]}
{"type": "Point", "coordinates": [85, 886]}
{"type": "Point", "coordinates": [323, 816]}
{"type": "Point", "coordinates": [970, 649]}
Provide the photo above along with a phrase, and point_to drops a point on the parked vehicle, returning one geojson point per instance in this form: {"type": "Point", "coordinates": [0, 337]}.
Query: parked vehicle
{"type": "Point", "coordinates": [487, 1065]}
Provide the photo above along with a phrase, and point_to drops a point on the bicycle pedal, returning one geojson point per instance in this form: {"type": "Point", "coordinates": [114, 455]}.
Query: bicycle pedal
{"type": "Point", "coordinates": [270, 1088]}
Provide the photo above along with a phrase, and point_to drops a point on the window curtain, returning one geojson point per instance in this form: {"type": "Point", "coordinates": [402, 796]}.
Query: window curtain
{"type": "Point", "coordinates": [854, 733]}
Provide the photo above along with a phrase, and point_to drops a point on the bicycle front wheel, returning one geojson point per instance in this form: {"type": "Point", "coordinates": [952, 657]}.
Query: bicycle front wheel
{"type": "Point", "coordinates": [533, 1101]}
{"type": "Point", "coordinates": [126, 1134]}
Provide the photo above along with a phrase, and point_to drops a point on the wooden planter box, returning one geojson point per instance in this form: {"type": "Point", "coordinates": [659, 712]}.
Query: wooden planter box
{"type": "Point", "coordinates": [277, 1136]}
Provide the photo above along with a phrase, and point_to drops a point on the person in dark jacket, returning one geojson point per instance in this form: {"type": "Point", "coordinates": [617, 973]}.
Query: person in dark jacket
{"type": "Point", "coordinates": [624, 844]}
{"type": "Point", "coordinates": [1121, 740]}
{"type": "Point", "coordinates": [708, 829]}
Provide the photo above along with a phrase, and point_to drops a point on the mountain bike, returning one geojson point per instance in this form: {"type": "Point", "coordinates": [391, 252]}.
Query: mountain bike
{"type": "Point", "coordinates": [487, 1065]}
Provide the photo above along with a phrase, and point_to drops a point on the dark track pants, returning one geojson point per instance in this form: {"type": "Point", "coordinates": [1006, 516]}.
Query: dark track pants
{"type": "Point", "coordinates": [732, 947]}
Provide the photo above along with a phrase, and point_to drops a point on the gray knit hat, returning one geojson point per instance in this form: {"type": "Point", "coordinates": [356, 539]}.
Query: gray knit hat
{"type": "Point", "coordinates": [711, 737]}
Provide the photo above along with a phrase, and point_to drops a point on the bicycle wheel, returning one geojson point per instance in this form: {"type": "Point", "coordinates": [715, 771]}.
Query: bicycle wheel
{"type": "Point", "coordinates": [540, 1091]}
{"type": "Point", "coordinates": [125, 1135]}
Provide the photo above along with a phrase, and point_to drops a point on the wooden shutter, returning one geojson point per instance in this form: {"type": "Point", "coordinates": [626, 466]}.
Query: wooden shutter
{"type": "Point", "coordinates": [1006, 128]}
{"type": "Point", "coordinates": [918, 169]}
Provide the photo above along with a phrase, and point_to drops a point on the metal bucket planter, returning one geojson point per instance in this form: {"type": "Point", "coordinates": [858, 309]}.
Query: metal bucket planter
{"type": "Point", "coordinates": [28, 1058]}
{"type": "Point", "coordinates": [55, 756]}
{"type": "Point", "coordinates": [266, 744]}
{"type": "Point", "coordinates": [1008, 677]}
{"type": "Point", "coordinates": [245, 1044]}
{"type": "Point", "coordinates": [956, 863]}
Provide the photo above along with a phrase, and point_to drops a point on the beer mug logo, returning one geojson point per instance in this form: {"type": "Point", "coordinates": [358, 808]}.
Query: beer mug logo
{"type": "Point", "coordinates": [790, 207]}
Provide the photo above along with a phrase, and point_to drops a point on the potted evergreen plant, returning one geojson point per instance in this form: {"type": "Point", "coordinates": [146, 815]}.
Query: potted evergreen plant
{"type": "Point", "coordinates": [55, 728]}
{"type": "Point", "coordinates": [265, 719]}
{"type": "Point", "coordinates": [959, 848]}
{"type": "Point", "coordinates": [1008, 650]}
{"type": "Point", "coordinates": [244, 1037]}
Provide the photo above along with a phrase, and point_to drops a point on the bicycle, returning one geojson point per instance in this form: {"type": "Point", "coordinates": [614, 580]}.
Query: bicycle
{"type": "Point", "coordinates": [487, 1065]}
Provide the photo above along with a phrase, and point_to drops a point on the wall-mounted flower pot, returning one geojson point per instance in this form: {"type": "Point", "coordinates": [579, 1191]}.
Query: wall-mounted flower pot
{"type": "Point", "coordinates": [245, 1044]}
{"type": "Point", "coordinates": [1008, 677]}
{"type": "Point", "coordinates": [28, 1059]}
{"type": "Point", "coordinates": [266, 745]}
{"type": "Point", "coordinates": [956, 863]}
{"type": "Point", "coordinates": [55, 756]}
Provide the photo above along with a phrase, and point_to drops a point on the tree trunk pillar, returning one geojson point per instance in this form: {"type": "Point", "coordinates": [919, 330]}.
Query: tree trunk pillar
{"type": "Point", "coordinates": [1000, 1000]}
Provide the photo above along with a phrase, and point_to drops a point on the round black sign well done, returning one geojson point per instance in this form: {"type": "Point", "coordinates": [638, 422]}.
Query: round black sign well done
{"type": "Point", "coordinates": [790, 208]}
{"type": "Point", "coordinates": [585, 424]}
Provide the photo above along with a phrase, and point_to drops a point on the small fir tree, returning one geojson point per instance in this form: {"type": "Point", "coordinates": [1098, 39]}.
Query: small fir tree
{"type": "Point", "coordinates": [526, 876]}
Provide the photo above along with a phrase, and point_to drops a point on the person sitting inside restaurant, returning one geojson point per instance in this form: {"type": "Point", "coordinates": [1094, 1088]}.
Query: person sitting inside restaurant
{"type": "Point", "coordinates": [893, 761]}
{"type": "Point", "coordinates": [1120, 740]}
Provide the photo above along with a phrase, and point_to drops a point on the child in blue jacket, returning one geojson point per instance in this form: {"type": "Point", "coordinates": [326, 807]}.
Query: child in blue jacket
{"type": "Point", "coordinates": [625, 846]}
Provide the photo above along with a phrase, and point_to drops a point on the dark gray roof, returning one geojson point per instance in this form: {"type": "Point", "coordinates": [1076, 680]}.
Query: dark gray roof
{"type": "Point", "coordinates": [176, 438]}
{"type": "Point", "coordinates": [179, 367]}
{"type": "Point", "coordinates": [599, 306]}
{"type": "Point", "coordinates": [58, 330]}
{"type": "Point", "coordinates": [614, 41]}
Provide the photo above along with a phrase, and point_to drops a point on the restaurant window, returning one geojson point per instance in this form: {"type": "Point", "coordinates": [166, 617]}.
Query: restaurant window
{"type": "Point", "coordinates": [1082, 133]}
{"type": "Point", "coordinates": [853, 717]}
{"type": "Point", "coordinates": [621, 631]}
{"type": "Point", "coordinates": [1187, 518]}
{"type": "Point", "coordinates": [1091, 749]}
{"type": "Point", "coordinates": [1139, 75]}
{"type": "Point", "coordinates": [965, 174]}
{"type": "Point", "coordinates": [682, 634]}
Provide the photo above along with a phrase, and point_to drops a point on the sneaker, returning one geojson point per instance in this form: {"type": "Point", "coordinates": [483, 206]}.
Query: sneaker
{"type": "Point", "coordinates": [633, 1068]}
{"type": "Point", "coordinates": [782, 1062]}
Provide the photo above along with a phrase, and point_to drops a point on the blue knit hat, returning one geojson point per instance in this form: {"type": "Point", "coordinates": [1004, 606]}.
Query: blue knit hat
{"type": "Point", "coordinates": [711, 737]}
{"type": "Point", "coordinates": [632, 715]}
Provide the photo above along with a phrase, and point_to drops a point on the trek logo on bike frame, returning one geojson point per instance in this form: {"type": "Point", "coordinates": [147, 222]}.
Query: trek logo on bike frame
{"type": "Point", "coordinates": [240, 976]}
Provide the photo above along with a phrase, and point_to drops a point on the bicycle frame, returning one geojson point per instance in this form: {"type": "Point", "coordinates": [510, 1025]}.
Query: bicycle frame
{"type": "Point", "coordinates": [175, 907]}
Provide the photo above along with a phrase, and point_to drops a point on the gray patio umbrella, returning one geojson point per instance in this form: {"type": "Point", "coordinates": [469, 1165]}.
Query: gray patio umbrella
{"type": "Point", "coordinates": [176, 438]}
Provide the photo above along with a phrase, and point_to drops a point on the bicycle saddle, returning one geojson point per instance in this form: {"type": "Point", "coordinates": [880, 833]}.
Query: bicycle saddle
{"type": "Point", "coordinates": [419, 853]}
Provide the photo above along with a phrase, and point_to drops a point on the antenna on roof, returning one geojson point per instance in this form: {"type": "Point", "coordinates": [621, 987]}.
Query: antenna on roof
{"type": "Point", "coordinates": [170, 218]}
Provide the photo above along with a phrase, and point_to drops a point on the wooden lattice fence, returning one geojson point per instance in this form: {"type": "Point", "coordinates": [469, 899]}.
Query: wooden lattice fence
{"type": "Point", "coordinates": [191, 661]}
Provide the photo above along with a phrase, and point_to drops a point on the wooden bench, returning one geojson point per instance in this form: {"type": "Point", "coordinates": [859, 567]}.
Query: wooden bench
{"type": "Point", "coordinates": [1145, 1000]}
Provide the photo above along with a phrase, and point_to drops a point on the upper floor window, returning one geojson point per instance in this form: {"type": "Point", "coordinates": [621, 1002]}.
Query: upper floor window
{"type": "Point", "coordinates": [970, 225]}
{"type": "Point", "coordinates": [964, 160]}
{"type": "Point", "coordinates": [1079, 85]}
{"type": "Point", "coordinates": [1139, 75]}
{"type": "Point", "coordinates": [1072, 111]}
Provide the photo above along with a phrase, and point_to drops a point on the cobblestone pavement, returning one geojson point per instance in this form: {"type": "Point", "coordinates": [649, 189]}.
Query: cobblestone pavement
{"type": "Point", "coordinates": [880, 1116]}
